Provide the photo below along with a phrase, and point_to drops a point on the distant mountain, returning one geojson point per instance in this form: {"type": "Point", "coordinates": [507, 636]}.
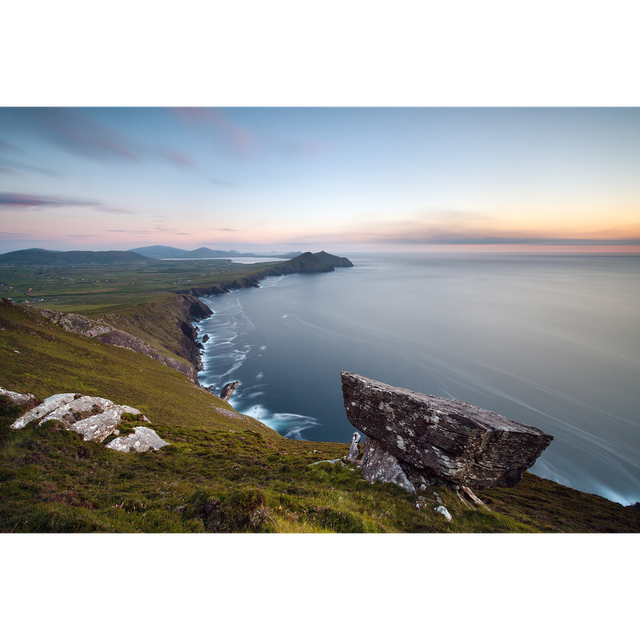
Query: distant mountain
{"type": "Point", "coordinates": [45, 257]}
{"type": "Point", "coordinates": [160, 252]}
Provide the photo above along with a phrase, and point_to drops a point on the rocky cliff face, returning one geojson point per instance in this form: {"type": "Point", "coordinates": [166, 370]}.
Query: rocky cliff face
{"type": "Point", "coordinates": [104, 332]}
{"type": "Point", "coordinates": [437, 438]}
{"type": "Point", "coordinates": [169, 322]}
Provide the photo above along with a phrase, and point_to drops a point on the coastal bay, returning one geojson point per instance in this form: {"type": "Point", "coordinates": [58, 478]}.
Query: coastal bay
{"type": "Point", "coordinates": [547, 340]}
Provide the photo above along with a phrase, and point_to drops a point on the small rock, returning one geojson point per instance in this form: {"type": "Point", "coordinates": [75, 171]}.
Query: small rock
{"type": "Point", "coordinates": [141, 440]}
{"type": "Point", "coordinates": [353, 449]}
{"type": "Point", "coordinates": [25, 399]}
{"type": "Point", "coordinates": [228, 389]}
{"type": "Point", "coordinates": [443, 511]}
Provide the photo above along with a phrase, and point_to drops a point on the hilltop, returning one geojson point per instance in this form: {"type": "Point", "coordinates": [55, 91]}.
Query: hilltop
{"type": "Point", "coordinates": [221, 471]}
{"type": "Point", "coordinates": [46, 257]}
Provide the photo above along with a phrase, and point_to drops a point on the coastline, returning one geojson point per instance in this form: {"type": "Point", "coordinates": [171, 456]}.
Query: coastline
{"type": "Point", "coordinates": [576, 458]}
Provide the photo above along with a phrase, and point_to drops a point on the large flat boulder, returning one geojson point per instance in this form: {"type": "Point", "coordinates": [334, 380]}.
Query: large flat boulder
{"type": "Point", "coordinates": [446, 439]}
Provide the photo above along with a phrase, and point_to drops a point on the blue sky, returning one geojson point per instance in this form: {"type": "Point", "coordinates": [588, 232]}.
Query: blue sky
{"type": "Point", "coordinates": [339, 179]}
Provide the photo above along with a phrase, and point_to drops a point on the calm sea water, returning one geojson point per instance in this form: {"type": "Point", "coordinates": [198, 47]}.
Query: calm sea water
{"type": "Point", "coordinates": [552, 341]}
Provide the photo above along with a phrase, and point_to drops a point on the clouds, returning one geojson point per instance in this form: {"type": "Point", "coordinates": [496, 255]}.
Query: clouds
{"type": "Point", "coordinates": [30, 201]}
{"type": "Point", "coordinates": [381, 177]}
{"type": "Point", "coordinates": [23, 200]}
{"type": "Point", "coordinates": [80, 134]}
{"type": "Point", "coordinates": [442, 227]}
{"type": "Point", "coordinates": [213, 121]}
{"type": "Point", "coordinates": [77, 133]}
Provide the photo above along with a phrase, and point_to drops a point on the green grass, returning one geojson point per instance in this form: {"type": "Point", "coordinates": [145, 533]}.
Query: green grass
{"type": "Point", "coordinates": [212, 479]}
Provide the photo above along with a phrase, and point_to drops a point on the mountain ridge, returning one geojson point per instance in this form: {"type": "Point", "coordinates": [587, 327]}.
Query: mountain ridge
{"type": "Point", "coordinates": [166, 252]}
{"type": "Point", "coordinates": [43, 257]}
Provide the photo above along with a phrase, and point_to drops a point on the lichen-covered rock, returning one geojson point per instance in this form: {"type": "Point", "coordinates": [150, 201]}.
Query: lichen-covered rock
{"type": "Point", "coordinates": [448, 439]}
{"type": "Point", "coordinates": [94, 419]}
{"type": "Point", "coordinates": [141, 440]}
{"type": "Point", "coordinates": [353, 448]}
{"type": "Point", "coordinates": [379, 464]}
{"type": "Point", "coordinates": [42, 410]}
{"type": "Point", "coordinates": [23, 399]}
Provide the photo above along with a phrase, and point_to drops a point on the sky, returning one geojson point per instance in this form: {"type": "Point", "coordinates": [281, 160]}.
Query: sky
{"type": "Point", "coordinates": [338, 179]}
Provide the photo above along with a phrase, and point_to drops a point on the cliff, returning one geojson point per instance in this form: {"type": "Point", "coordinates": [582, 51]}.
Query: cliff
{"type": "Point", "coordinates": [163, 331]}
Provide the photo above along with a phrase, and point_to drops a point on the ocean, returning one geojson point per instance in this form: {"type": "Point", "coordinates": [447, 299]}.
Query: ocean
{"type": "Point", "coordinates": [549, 340]}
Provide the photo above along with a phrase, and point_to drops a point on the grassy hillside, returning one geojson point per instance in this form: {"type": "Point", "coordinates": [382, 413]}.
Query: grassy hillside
{"type": "Point", "coordinates": [222, 471]}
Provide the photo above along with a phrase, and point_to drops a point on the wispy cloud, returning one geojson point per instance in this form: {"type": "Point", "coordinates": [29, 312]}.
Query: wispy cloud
{"type": "Point", "coordinates": [237, 138]}
{"type": "Point", "coordinates": [13, 167]}
{"type": "Point", "coordinates": [162, 229]}
{"type": "Point", "coordinates": [78, 133]}
{"type": "Point", "coordinates": [222, 183]}
{"type": "Point", "coordinates": [177, 158]}
{"type": "Point", "coordinates": [464, 228]}
{"type": "Point", "coordinates": [27, 200]}
{"type": "Point", "coordinates": [20, 200]}
{"type": "Point", "coordinates": [7, 146]}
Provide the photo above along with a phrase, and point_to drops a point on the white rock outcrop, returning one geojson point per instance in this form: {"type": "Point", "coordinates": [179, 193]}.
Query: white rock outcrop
{"type": "Point", "coordinates": [94, 419]}
{"type": "Point", "coordinates": [141, 440]}
{"type": "Point", "coordinates": [18, 398]}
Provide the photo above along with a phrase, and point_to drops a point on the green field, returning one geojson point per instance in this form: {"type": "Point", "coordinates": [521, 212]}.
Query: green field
{"type": "Point", "coordinates": [94, 290]}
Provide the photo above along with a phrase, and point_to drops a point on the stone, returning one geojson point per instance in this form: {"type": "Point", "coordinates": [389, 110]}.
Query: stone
{"type": "Point", "coordinates": [443, 511]}
{"type": "Point", "coordinates": [24, 399]}
{"type": "Point", "coordinates": [450, 440]}
{"type": "Point", "coordinates": [379, 464]}
{"type": "Point", "coordinates": [141, 440]}
{"type": "Point", "coordinates": [353, 449]}
{"type": "Point", "coordinates": [42, 410]}
{"type": "Point", "coordinates": [94, 419]}
{"type": "Point", "coordinates": [228, 389]}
